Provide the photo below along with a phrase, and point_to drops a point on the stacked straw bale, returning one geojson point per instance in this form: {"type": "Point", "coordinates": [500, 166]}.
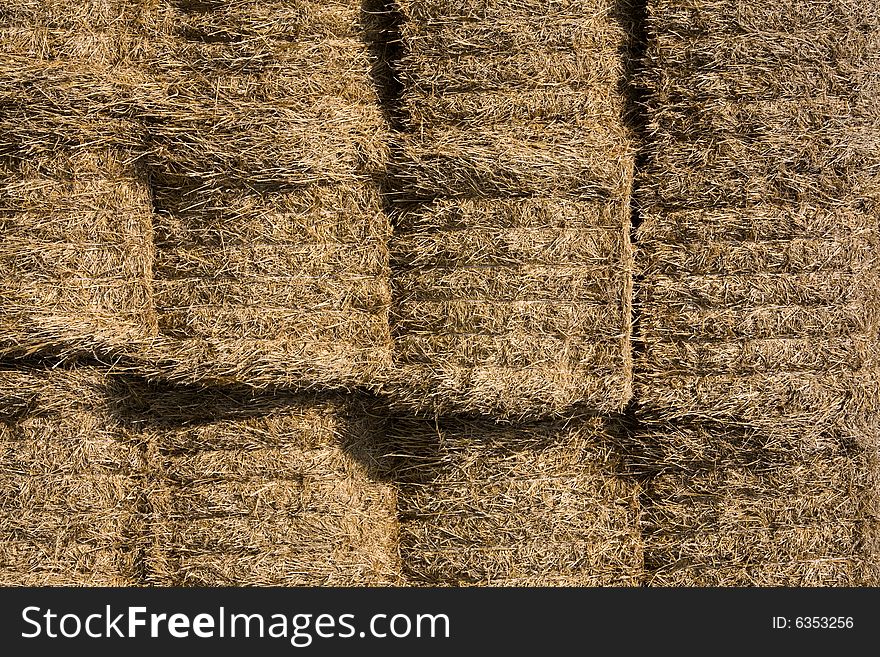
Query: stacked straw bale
{"type": "Point", "coordinates": [536, 504]}
{"type": "Point", "coordinates": [512, 177]}
{"type": "Point", "coordinates": [99, 33]}
{"type": "Point", "coordinates": [75, 210]}
{"type": "Point", "coordinates": [758, 324]}
{"type": "Point", "coordinates": [738, 506]}
{"type": "Point", "coordinates": [263, 491]}
{"type": "Point", "coordinates": [264, 136]}
{"type": "Point", "coordinates": [70, 483]}
{"type": "Point", "coordinates": [758, 246]}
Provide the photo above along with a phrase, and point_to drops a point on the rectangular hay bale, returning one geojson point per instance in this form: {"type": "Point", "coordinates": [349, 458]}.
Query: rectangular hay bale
{"type": "Point", "coordinates": [736, 506]}
{"type": "Point", "coordinates": [263, 491]}
{"type": "Point", "coordinates": [99, 33]}
{"type": "Point", "coordinates": [265, 137]}
{"type": "Point", "coordinates": [536, 504]}
{"type": "Point", "coordinates": [76, 245]}
{"type": "Point", "coordinates": [71, 483]}
{"type": "Point", "coordinates": [757, 251]}
{"type": "Point", "coordinates": [511, 259]}
{"type": "Point", "coordinates": [759, 304]}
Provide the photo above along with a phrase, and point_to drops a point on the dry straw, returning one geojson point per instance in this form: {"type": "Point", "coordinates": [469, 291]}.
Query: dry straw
{"type": "Point", "coordinates": [758, 247]}
{"type": "Point", "coordinates": [191, 185]}
{"type": "Point", "coordinates": [101, 34]}
{"type": "Point", "coordinates": [109, 481]}
{"type": "Point", "coordinates": [535, 504]}
{"type": "Point", "coordinates": [75, 252]}
{"type": "Point", "coordinates": [512, 177]}
{"type": "Point", "coordinates": [75, 210]}
{"type": "Point", "coordinates": [735, 506]}
{"type": "Point", "coordinates": [71, 487]}
{"type": "Point", "coordinates": [264, 135]}
{"type": "Point", "coordinates": [758, 323]}
{"type": "Point", "coordinates": [262, 491]}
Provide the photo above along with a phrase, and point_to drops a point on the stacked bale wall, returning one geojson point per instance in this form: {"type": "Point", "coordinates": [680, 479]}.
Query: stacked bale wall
{"type": "Point", "coordinates": [194, 187]}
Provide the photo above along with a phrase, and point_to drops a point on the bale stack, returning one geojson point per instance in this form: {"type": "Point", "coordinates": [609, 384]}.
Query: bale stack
{"type": "Point", "coordinates": [263, 491]}
{"type": "Point", "coordinates": [70, 483]}
{"type": "Point", "coordinates": [758, 305]}
{"type": "Point", "coordinates": [511, 257]}
{"type": "Point", "coordinates": [264, 137]}
{"type": "Point", "coordinates": [75, 210]}
{"type": "Point", "coordinates": [539, 504]}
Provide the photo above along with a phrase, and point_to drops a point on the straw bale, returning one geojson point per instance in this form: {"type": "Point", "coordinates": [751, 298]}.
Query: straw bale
{"type": "Point", "coordinates": [757, 249]}
{"type": "Point", "coordinates": [294, 291]}
{"type": "Point", "coordinates": [284, 96]}
{"type": "Point", "coordinates": [264, 139]}
{"type": "Point", "coordinates": [536, 504]}
{"type": "Point", "coordinates": [70, 483]}
{"type": "Point", "coordinates": [227, 128]}
{"type": "Point", "coordinates": [75, 248]}
{"type": "Point", "coordinates": [102, 33]}
{"type": "Point", "coordinates": [511, 183]}
{"type": "Point", "coordinates": [75, 208]}
{"type": "Point", "coordinates": [757, 352]}
{"type": "Point", "coordinates": [64, 103]}
{"type": "Point", "coordinates": [449, 59]}
{"type": "Point", "coordinates": [736, 121]}
{"type": "Point", "coordinates": [513, 306]}
{"type": "Point", "coordinates": [735, 506]}
{"type": "Point", "coordinates": [265, 491]}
